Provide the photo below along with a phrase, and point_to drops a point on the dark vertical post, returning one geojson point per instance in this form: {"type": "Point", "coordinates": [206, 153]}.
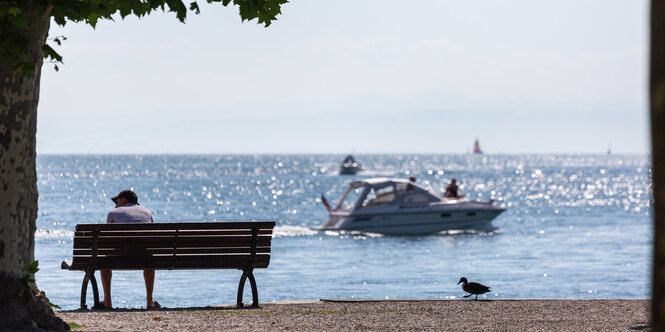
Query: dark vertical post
{"type": "Point", "coordinates": [252, 263]}
{"type": "Point", "coordinates": [248, 271]}
{"type": "Point", "coordinates": [657, 111]}
{"type": "Point", "coordinates": [95, 246]}
{"type": "Point", "coordinates": [175, 248]}
{"type": "Point", "coordinates": [252, 257]}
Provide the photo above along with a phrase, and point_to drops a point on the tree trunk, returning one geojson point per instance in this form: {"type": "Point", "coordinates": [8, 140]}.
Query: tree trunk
{"type": "Point", "coordinates": [20, 308]}
{"type": "Point", "coordinates": [657, 106]}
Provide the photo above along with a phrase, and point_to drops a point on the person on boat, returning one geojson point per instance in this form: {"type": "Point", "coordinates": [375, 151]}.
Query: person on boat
{"type": "Point", "coordinates": [451, 189]}
{"type": "Point", "coordinates": [409, 186]}
{"type": "Point", "coordinates": [349, 160]}
{"type": "Point", "coordinates": [128, 210]}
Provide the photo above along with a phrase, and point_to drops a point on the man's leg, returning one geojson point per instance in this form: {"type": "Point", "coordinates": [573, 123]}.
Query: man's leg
{"type": "Point", "coordinates": [106, 284]}
{"type": "Point", "coordinates": [149, 277]}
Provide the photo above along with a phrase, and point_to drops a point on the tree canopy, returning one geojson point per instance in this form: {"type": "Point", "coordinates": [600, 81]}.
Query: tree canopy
{"type": "Point", "coordinates": [15, 16]}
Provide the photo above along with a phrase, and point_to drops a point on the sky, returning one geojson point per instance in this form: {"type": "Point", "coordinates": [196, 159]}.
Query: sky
{"type": "Point", "coordinates": [361, 76]}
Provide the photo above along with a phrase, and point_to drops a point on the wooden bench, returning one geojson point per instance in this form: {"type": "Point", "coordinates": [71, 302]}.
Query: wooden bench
{"type": "Point", "coordinates": [171, 246]}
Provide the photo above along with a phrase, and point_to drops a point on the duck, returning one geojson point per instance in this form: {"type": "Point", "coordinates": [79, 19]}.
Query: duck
{"type": "Point", "coordinates": [473, 287]}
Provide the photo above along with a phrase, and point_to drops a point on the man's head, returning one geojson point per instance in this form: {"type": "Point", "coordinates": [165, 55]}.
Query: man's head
{"type": "Point", "coordinates": [125, 197]}
{"type": "Point", "coordinates": [412, 178]}
{"type": "Point", "coordinates": [453, 180]}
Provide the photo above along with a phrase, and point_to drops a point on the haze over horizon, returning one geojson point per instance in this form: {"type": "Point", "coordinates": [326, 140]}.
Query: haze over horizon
{"type": "Point", "coordinates": [364, 77]}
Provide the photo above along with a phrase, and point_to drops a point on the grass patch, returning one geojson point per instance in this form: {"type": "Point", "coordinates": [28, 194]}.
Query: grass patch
{"type": "Point", "coordinates": [73, 325]}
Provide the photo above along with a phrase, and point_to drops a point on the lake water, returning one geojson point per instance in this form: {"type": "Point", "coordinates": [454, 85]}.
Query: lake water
{"type": "Point", "coordinates": [576, 226]}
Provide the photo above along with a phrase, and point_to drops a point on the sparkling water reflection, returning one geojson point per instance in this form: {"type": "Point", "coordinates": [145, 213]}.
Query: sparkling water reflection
{"type": "Point", "coordinates": [577, 226]}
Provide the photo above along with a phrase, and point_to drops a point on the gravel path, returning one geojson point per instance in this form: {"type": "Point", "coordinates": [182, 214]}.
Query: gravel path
{"type": "Point", "coordinates": [380, 315]}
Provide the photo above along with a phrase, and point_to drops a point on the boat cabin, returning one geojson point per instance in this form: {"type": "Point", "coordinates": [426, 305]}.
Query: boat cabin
{"type": "Point", "coordinates": [384, 192]}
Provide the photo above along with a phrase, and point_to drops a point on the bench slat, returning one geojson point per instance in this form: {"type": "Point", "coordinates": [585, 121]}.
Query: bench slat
{"type": "Point", "coordinates": [130, 238]}
{"type": "Point", "coordinates": [161, 242]}
{"type": "Point", "coordinates": [183, 266]}
{"type": "Point", "coordinates": [172, 232]}
{"type": "Point", "coordinates": [178, 225]}
{"type": "Point", "coordinates": [178, 251]}
{"type": "Point", "coordinates": [168, 261]}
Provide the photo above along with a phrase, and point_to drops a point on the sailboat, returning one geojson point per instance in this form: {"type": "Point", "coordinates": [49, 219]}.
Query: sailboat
{"type": "Point", "coordinates": [476, 148]}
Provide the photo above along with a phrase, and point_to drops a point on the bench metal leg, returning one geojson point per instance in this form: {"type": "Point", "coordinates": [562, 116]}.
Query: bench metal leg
{"type": "Point", "coordinates": [89, 276]}
{"type": "Point", "coordinates": [241, 287]}
{"type": "Point", "coordinates": [84, 290]}
{"type": "Point", "coordinates": [95, 290]}
{"type": "Point", "coordinates": [255, 292]}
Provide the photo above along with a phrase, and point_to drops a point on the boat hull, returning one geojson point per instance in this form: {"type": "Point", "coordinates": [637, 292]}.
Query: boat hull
{"type": "Point", "coordinates": [413, 222]}
{"type": "Point", "coordinates": [349, 170]}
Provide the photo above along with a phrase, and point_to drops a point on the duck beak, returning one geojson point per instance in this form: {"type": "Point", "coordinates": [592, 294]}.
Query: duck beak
{"type": "Point", "coordinates": [459, 282]}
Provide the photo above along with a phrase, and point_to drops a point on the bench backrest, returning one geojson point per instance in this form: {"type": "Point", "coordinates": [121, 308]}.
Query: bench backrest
{"type": "Point", "coordinates": [183, 245]}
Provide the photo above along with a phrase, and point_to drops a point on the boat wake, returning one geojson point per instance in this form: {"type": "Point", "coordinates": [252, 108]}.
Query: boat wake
{"type": "Point", "coordinates": [487, 231]}
{"type": "Point", "coordinates": [482, 232]}
{"type": "Point", "coordinates": [292, 231]}
{"type": "Point", "coordinates": [64, 234]}
{"type": "Point", "coordinates": [286, 231]}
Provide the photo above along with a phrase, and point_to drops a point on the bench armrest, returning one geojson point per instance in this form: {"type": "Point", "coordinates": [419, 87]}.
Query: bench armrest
{"type": "Point", "coordinates": [66, 265]}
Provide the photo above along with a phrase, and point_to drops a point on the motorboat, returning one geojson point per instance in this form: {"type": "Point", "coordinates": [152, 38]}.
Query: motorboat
{"type": "Point", "coordinates": [403, 207]}
{"type": "Point", "coordinates": [349, 166]}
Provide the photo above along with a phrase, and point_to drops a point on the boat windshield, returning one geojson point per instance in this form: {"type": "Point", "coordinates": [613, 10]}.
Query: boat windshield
{"type": "Point", "coordinates": [378, 196]}
{"type": "Point", "coordinates": [349, 198]}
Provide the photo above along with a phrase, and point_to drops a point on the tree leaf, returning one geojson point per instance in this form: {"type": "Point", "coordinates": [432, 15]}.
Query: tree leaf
{"type": "Point", "coordinates": [49, 52]}
{"type": "Point", "coordinates": [33, 267]}
{"type": "Point", "coordinates": [19, 21]}
{"type": "Point", "coordinates": [195, 8]}
{"type": "Point", "coordinates": [14, 11]}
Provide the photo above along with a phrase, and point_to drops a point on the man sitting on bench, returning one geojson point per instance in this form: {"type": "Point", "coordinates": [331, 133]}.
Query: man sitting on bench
{"type": "Point", "coordinates": [128, 210]}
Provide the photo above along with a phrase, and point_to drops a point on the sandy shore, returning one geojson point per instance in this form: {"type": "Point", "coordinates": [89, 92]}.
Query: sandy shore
{"type": "Point", "coordinates": [380, 315]}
